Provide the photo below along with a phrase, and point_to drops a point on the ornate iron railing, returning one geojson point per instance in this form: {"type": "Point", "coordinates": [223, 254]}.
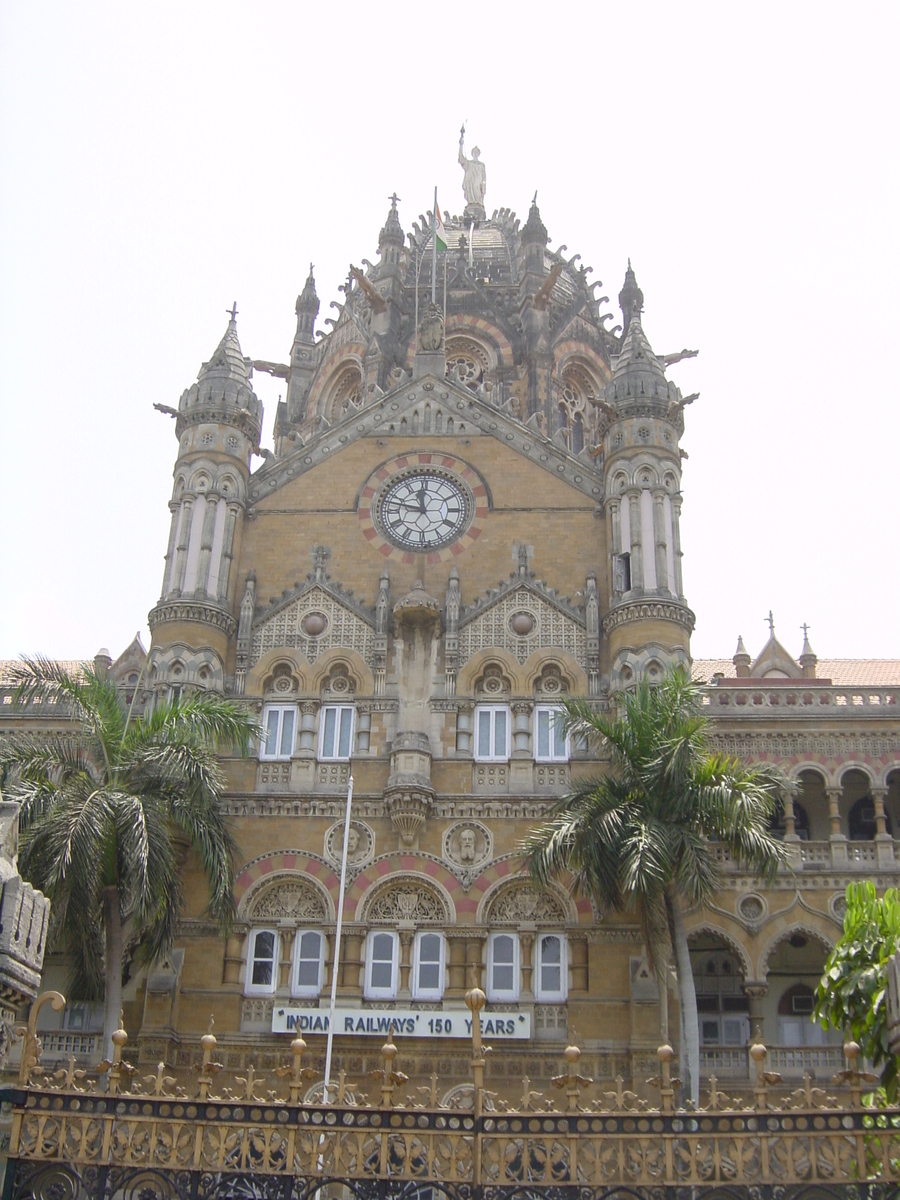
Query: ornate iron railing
{"type": "Point", "coordinates": [82, 1136]}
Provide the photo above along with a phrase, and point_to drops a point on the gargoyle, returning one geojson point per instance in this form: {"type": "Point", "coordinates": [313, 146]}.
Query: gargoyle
{"type": "Point", "coordinates": [377, 302]}
{"type": "Point", "coordinates": [542, 296]}
{"type": "Point", "coordinates": [164, 408]}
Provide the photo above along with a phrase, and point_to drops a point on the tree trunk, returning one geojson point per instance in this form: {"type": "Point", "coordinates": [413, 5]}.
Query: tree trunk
{"type": "Point", "coordinates": [112, 922]}
{"type": "Point", "coordinates": [687, 998]}
{"type": "Point", "coordinates": [662, 983]}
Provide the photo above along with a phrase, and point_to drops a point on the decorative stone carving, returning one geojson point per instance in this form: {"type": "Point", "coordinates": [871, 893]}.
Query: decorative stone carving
{"type": "Point", "coordinates": [467, 846]}
{"type": "Point", "coordinates": [521, 904]}
{"type": "Point", "coordinates": [288, 626]}
{"type": "Point", "coordinates": [431, 329]}
{"type": "Point", "coordinates": [751, 908]}
{"type": "Point", "coordinates": [407, 902]}
{"type": "Point", "coordinates": [288, 900]}
{"type": "Point", "coordinates": [417, 607]}
{"type": "Point", "coordinates": [360, 845]}
{"type": "Point", "coordinates": [492, 622]}
{"type": "Point", "coordinates": [408, 808]}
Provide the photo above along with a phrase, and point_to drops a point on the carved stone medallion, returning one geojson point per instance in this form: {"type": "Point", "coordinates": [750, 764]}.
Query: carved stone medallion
{"type": "Point", "coordinates": [360, 845]}
{"type": "Point", "coordinates": [467, 846]}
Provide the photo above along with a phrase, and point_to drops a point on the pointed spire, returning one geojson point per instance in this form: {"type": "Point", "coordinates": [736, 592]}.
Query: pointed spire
{"type": "Point", "coordinates": [228, 359]}
{"type": "Point", "coordinates": [534, 229]}
{"type": "Point", "coordinates": [392, 230]}
{"type": "Point", "coordinates": [808, 657]}
{"type": "Point", "coordinates": [741, 660]}
{"type": "Point", "coordinates": [307, 308]}
{"type": "Point", "coordinates": [631, 298]}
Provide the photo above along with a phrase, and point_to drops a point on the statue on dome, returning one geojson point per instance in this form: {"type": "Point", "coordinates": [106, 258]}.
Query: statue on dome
{"type": "Point", "coordinates": [474, 177]}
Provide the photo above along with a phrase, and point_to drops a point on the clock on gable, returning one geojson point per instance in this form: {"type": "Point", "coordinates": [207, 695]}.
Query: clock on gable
{"type": "Point", "coordinates": [422, 511]}
{"type": "Point", "coordinates": [423, 503]}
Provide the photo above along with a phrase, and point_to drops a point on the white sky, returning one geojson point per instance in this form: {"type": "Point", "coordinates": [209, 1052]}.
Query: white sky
{"type": "Point", "coordinates": [160, 161]}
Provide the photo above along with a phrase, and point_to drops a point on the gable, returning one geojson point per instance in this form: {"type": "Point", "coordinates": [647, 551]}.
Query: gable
{"type": "Point", "coordinates": [445, 407]}
{"type": "Point", "coordinates": [489, 623]}
{"type": "Point", "coordinates": [287, 627]}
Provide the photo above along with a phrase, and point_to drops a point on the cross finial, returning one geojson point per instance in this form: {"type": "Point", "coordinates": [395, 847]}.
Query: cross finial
{"type": "Point", "coordinates": [395, 200]}
{"type": "Point", "coordinates": [805, 629]}
{"type": "Point", "coordinates": [233, 311]}
{"type": "Point", "coordinates": [771, 621]}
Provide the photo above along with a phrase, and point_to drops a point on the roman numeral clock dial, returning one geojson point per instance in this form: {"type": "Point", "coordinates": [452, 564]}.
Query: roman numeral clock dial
{"type": "Point", "coordinates": [423, 511]}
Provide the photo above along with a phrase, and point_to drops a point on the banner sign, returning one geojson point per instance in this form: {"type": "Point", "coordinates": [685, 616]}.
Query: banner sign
{"type": "Point", "coordinates": [402, 1022]}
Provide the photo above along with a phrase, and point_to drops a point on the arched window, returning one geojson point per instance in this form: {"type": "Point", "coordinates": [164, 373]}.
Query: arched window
{"type": "Point", "coordinates": [309, 954]}
{"type": "Point", "coordinates": [381, 965]}
{"type": "Point", "coordinates": [428, 966]}
{"type": "Point", "coordinates": [503, 967]}
{"type": "Point", "coordinates": [262, 962]}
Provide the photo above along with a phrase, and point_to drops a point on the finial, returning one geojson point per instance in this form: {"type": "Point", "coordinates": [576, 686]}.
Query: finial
{"type": "Point", "coordinates": [395, 200]}
{"type": "Point", "coordinates": [629, 264]}
{"type": "Point", "coordinates": [771, 621]}
{"type": "Point", "coordinates": [805, 629]}
{"type": "Point", "coordinates": [233, 311]}
{"type": "Point", "coordinates": [534, 201]}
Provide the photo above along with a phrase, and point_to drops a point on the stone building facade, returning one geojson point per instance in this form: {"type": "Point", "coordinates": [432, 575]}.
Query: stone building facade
{"type": "Point", "coordinates": [472, 510]}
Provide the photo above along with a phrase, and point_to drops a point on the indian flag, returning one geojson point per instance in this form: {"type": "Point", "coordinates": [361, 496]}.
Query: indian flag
{"type": "Point", "coordinates": [440, 237]}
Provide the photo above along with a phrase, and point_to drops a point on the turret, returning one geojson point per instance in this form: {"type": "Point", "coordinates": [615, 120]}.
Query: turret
{"type": "Point", "coordinates": [535, 314]}
{"type": "Point", "coordinates": [631, 298]}
{"type": "Point", "coordinates": [304, 358]}
{"type": "Point", "coordinates": [218, 426]}
{"type": "Point", "coordinates": [648, 623]}
{"type": "Point", "coordinates": [741, 660]}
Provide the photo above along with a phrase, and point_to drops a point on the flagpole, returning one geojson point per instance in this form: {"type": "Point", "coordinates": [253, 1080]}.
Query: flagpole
{"type": "Point", "coordinates": [445, 289]}
{"type": "Point", "coordinates": [336, 956]}
{"type": "Point", "coordinates": [434, 250]}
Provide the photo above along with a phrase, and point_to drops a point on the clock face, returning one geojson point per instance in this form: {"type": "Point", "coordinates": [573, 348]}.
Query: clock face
{"type": "Point", "coordinates": [423, 511]}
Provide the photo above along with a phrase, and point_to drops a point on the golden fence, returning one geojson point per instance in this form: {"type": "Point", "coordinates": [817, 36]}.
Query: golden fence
{"type": "Point", "coordinates": [78, 1135]}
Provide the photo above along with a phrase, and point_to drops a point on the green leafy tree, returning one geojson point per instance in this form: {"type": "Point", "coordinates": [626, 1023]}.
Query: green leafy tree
{"type": "Point", "coordinates": [107, 810]}
{"type": "Point", "coordinates": [853, 992]}
{"type": "Point", "coordinates": [641, 837]}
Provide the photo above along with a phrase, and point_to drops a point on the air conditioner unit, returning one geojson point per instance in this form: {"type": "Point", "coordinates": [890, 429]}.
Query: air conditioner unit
{"type": "Point", "coordinates": [802, 1004]}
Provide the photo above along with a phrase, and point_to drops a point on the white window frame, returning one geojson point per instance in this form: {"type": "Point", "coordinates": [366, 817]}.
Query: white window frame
{"type": "Point", "coordinates": [339, 710]}
{"type": "Point", "coordinates": [281, 710]}
{"type": "Point", "coordinates": [261, 989]}
{"type": "Point", "coordinates": [502, 994]}
{"type": "Point", "coordinates": [426, 993]}
{"type": "Point", "coordinates": [551, 994]}
{"type": "Point", "coordinates": [552, 710]}
{"type": "Point", "coordinates": [492, 710]}
{"type": "Point", "coordinates": [379, 993]}
{"type": "Point", "coordinates": [307, 989]}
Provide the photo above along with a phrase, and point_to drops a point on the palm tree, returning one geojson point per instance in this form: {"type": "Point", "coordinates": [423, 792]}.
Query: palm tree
{"type": "Point", "coordinates": [106, 812]}
{"type": "Point", "coordinates": [641, 836]}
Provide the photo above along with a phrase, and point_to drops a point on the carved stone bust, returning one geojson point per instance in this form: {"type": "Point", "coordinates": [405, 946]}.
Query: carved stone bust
{"type": "Point", "coordinates": [360, 844]}
{"type": "Point", "coordinates": [467, 846]}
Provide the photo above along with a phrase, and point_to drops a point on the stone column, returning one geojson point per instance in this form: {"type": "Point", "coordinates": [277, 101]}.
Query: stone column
{"type": "Point", "coordinates": [659, 537]}
{"type": "Point", "coordinates": [838, 840]}
{"type": "Point", "coordinates": [474, 960]}
{"type": "Point", "coordinates": [637, 553]}
{"type": "Point", "coordinates": [526, 957]}
{"type": "Point", "coordinates": [233, 954]}
{"type": "Point", "coordinates": [351, 944]}
{"type": "Point", "coordinates": [231, 516]}
{"type": "Point", "coordinates": [456, 946]}
{"type": "Point", "coordinates": [464, 731]}
{"type": "Point", "coordinates": [306, 744]}
{"type": "Point", "coordinates": [363, 728]}
{"type": "Point", "coordinates": [521, 746]}
{"type": "Point", "coordinates": [286, 956]}
{"type": "Point", "coordinates": [184, 536]}
{"type": "Point", "coordinates": [884, 843]}
{"type": "Point", "coordinates": [578, 947]}
{"type": "Point", "coordinates": [406, 941]}
{"type": "Point", "coordinates": [174, 509]}
{"type": "Point", "coordinates": [614, 540]}
{"type": "Point", "coordinates": [211, 501]}
{"type": "Point", "coordinates": [676, 543]}
{"type": "Point", "coordinates": [756, 994]}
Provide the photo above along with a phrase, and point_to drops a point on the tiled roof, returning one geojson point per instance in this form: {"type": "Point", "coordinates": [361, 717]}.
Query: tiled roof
{"type": "Point", "coordinates": [843, 672]}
